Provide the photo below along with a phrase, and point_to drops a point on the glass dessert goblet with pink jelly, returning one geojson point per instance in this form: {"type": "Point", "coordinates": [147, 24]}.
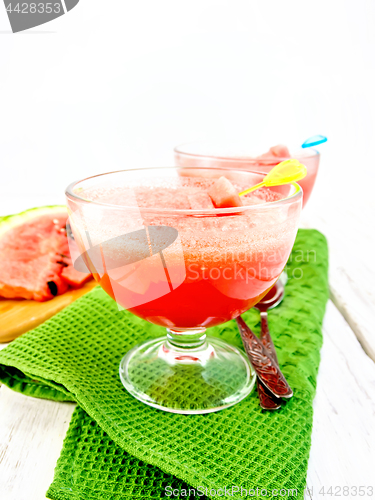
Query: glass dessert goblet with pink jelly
{"type": "Point", "coordinates": [159, 247]}
{"type": "Point", "coordinates": [214, 154]}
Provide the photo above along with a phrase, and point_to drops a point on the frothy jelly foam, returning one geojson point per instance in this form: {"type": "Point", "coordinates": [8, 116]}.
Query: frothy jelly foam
{"type": "Point", "coordinates": [186, 193]}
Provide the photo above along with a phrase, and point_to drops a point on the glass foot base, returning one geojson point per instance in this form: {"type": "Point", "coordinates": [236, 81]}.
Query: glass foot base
{"type": "Point", "coordinates": [202, 379]}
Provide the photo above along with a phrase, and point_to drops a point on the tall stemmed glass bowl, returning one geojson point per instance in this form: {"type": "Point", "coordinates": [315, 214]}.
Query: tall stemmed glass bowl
{"type": "Point", "coordinates": [233, 155]}
{"type": "Point", "coordinates": [184, 269]}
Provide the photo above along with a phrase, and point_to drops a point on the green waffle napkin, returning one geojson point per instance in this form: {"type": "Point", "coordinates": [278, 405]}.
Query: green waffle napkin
{"type": "Point", "coordinates": [118, 448]}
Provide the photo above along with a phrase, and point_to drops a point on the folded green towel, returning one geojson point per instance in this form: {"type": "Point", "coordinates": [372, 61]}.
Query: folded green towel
{"type": "Point", "coordinates": [118, 448]}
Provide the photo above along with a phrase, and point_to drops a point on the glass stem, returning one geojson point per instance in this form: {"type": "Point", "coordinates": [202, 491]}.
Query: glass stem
{"type": "Point", "coordinates": [189, 338]}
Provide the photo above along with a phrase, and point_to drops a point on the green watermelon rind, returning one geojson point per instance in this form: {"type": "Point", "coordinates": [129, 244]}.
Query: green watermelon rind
{"type": "Point", "coordinates": [8, 222]}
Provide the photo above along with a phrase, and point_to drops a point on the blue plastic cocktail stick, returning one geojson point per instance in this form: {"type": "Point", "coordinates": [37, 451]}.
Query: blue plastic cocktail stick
{"type": "Point", "coordinates": [314, 141]}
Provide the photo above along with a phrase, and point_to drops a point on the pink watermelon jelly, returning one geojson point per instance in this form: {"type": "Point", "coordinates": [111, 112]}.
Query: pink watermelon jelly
{"type": "Point", "coordinates": [207, 155]}
{"type": "Point", "coordinates": [220, 265]}
{"type": "Point", "coordinates": [279, 153]}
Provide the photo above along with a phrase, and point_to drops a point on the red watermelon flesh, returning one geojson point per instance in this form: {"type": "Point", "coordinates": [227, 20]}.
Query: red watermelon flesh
{"type": "Point", "coordinates": [33, 256]}
{"type": "Point", "coordinates": [224, 194]}
{"type": "Point", "coordinates": [280, 151]}
{"type": "Point", "coordinates": [74, 278]}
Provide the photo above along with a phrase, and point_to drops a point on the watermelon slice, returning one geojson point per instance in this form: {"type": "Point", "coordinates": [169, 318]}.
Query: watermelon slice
{"type": "Point", "coordinates": [73, 277]}
{"type": "Point", "coordinates": [34, 252]}
{"type": "Point", "coordinates": [224, 194]}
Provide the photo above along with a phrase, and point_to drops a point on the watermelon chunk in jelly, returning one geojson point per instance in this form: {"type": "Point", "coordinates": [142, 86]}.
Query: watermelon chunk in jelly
{"type": "Point", "coordinates": [279, 151]}
{"type": "Point", "coordinates": [224, 194]}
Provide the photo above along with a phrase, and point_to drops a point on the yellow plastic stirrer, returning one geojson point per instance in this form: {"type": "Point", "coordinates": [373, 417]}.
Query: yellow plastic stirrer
{"type": "Point", "coordinates": [283, 173]}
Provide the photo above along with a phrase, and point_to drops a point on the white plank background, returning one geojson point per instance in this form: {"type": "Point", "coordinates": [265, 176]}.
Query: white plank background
{"type": "Point", "coordinates": [95, 92]}
{"type": "Point", "coordinates": [31, 436]}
